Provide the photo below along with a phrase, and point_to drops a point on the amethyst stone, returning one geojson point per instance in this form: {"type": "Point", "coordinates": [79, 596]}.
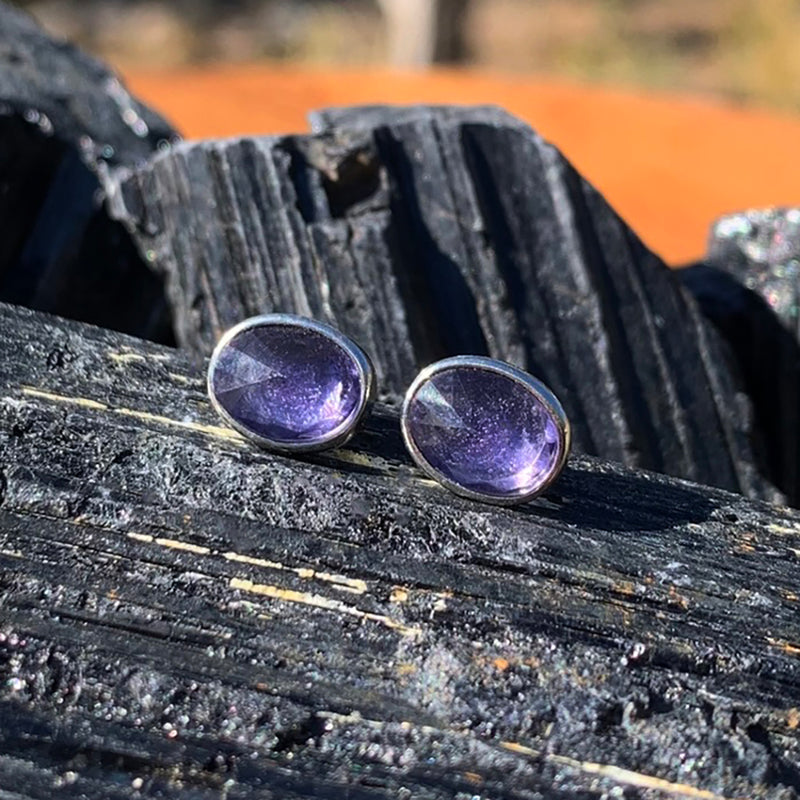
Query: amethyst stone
{"type": "Point", "coordinates": [485, 429]}
{"type": "Point", "coordinates": [290, 383]}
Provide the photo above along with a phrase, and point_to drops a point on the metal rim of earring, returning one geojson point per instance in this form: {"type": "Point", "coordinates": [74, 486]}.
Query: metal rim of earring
{"type": "Point", "coordinates": [340, 435]}
{"type": "Point", "coordinates": [532, 385]}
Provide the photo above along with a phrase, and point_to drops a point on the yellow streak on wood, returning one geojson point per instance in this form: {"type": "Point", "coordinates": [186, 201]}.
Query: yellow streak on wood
{"type": "Point", "coordinates": [618, 774]}
{"type": "Point", "coordinates": [783, 530]}
{"type": "Point", "coordinates": [793, 719]}
{"type": "Point", "coordinates": [173, 544]}
{"type": "Point", "coordinates": [398, 595]}
{"type": "Point", "coordinates": [124, 358]}
{"type": "Point", "coordinates": [142, 537]}
{"type": "Point", "coordinates": [183, 379]}
{"type": "Point", "coordinates": [352, 457]}
{"type": "Point", "coordinates": [627, 588]}
{"type": "Point", "coordinates": [84, 402]}
{"type": "Point", "coordinates": [787, 647]}
{"type": "Point", "coordinates": [128, 355]}
{"type": "Point", "coordinates": [211, 430]}
{"type": "Point", "coordinates": [318, 601]}
{"type": "Point", "coordinates": [341, 582]}
{"type": "Point", "coordinates": [621, 776]}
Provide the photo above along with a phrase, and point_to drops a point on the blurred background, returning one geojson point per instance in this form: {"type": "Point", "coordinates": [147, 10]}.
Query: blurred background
{"type": "Point", "coordinates": [741, 50]}
{"type": "Point", "coordinates": [679, 111]}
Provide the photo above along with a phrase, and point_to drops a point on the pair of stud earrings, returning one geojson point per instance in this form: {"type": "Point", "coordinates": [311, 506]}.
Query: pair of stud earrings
{"type": "Point", "coordinates": [482, 428]}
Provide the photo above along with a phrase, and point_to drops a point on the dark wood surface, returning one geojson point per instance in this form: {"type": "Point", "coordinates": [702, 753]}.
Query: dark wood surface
{"type": "Point", "coordinates": [425, 233]}
{"type": "Point", "coordinates": [184, 616]}
{"type": "Point", "coordinates": [65, 120]}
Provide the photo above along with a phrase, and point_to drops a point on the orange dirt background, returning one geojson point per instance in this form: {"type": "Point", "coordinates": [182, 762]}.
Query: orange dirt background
{"type": "Point", "coordinates": [669, 164]}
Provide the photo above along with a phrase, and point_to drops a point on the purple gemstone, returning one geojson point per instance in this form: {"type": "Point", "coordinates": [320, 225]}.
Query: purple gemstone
{"type": "Point", "coordinates": [288, 383]}
{"type": "Point", "coordinates": [485, 432]}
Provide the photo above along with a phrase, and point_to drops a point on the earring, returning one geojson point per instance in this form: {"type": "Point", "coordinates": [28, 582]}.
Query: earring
{"type": "Point", "coordinates": [485, 430]}
{"type": "Point", "coordinates": [292, 385]}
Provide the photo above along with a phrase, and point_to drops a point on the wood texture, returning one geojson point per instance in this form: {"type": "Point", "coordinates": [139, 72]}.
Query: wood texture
{"type": "Point", "coordinates": [183, 616]}
{"type": "Point", "coordinates": [662, 161]}
{"type": "Point", "coordinates": [425, 233]}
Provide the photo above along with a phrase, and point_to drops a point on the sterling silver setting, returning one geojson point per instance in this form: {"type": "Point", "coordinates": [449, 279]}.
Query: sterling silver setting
{"type": "Point", "coordinates": [336, 438]}
{"type": "Point", "coordinates": [535, 387]}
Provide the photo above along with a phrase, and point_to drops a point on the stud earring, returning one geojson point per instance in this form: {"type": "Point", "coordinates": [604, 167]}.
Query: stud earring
{"type": "Point", "coordinates": [291, 384]}
{"type": "Point", "coordinates": [485, 430]}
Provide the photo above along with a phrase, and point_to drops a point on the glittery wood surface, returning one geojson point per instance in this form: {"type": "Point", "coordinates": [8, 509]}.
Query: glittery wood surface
{"type": "Point", "coordinates": [184, 615]}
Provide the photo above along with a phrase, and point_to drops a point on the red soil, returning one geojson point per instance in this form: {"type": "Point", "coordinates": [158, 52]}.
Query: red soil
{"type": "Point", "coordinates": [669, 165]}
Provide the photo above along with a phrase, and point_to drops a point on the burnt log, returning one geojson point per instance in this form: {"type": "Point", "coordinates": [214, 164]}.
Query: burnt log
{"type": "Point", "coordinates": [185, 616]}
{"type": "Point", "coordinates": [425, 233]}
{"type": "Point", "coordinates": [65, 120]}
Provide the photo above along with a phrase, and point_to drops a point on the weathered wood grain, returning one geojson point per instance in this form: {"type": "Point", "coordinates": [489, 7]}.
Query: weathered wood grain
{"type": "Point", "coordinates": [427, 232]}
{"type": "Point", "coordinates": [183, 616]}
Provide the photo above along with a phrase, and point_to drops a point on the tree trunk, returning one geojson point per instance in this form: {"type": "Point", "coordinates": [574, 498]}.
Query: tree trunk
{"type": "Point", "coordinates": [424, 32]}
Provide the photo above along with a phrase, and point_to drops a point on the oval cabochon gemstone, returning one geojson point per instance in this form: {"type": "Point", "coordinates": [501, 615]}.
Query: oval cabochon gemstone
{"type": "Point", "coordinates": [485, 432]}
{"type": "Point", "coordinates": [288, 384]}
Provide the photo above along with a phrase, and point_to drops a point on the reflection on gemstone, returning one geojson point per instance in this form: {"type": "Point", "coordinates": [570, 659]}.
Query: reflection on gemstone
{"type": "Point", "coordinates": [484, 431]}
{"type": "Point", "coordinates": [287, 383]}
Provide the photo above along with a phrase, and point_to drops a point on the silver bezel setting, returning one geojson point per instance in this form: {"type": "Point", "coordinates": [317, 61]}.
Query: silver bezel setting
{"type": "Point", "coordinates": [337, 437]}
{"type": "Point", "coordinates": [541, 392]}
